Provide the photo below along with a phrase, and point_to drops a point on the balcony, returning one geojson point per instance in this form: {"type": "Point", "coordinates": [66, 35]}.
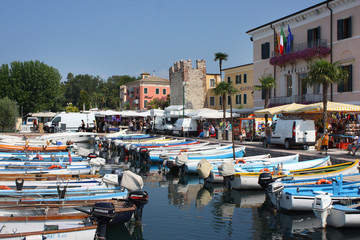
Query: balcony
{"type": "Point", "coordinates": [303, 99]}
{"type": "Point", "coordinates": [302, 51]}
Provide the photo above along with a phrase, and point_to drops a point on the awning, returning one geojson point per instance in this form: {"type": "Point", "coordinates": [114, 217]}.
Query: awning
{"type": "Point", "coordinates": [281, 109]}
{"type": "Point", "coordinates": [207, 113]}
{"type": "Point", "coordinates": [331, 107]}
{"type": "Point", "coordinates": [44, 114]}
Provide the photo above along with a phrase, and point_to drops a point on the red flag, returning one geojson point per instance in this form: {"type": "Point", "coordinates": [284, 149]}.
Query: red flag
{"type": "Point", "coordinates": [70, 159]}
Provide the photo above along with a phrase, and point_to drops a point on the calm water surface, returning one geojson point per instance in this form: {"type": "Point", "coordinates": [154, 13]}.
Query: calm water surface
{"type": "Point", "coordinates": [181, 207]}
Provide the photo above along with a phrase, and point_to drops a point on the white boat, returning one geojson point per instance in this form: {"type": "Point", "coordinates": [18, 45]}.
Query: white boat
{"type": "Point", "coordinates": [336, 215]}
{"type": "Point", "coordinates": [66, 137]}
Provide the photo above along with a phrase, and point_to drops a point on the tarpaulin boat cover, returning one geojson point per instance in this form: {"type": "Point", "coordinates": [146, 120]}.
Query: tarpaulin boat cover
{"type": "Point", "coordinates": [227, 169]}
{"type": "Point", "coordinates": [131, 181]}
{"type": "Point", "coordinates": [204, 168]}
{"type": "Point", "coordinates": [182, 159]}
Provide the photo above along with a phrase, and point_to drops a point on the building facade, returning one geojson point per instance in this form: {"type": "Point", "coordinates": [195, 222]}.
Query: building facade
{"type": "Point", "coordinates": [329, 30]}
{"type": "Point", "coordinates": [212, 101]}
{"type": "Point", "coordinates": [241, 78]}
{"type": "Point", "coordinates": [188, 84]}
{"type": "Point", "coordinates": [139, 93]}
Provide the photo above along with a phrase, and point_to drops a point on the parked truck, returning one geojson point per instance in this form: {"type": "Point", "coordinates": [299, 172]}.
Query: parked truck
{"type": "Point", "coordinates": [70, 122]}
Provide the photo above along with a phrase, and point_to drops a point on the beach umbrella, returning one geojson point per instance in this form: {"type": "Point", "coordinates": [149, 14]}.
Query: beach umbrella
{"type": "Point", "coordinates": [281, 109]}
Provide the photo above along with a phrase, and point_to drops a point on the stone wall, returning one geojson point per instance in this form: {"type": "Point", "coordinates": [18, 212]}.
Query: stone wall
{"type": "Point", "coordinates": [195, 84]}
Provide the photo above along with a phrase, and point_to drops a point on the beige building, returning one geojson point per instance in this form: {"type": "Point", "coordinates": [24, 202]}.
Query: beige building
{"type": "Point", "coordinates": [211, 100]}
{"type": "Point", "coordinates": [329, 30]}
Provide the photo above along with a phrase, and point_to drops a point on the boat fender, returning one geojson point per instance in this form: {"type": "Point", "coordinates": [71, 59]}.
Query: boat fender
{"type": "Point", "coordinates": [323, 181]}
{"type": "Point", "coordinates": [240, 161]}
{"type": "Point", "coordinates": [55, 166]}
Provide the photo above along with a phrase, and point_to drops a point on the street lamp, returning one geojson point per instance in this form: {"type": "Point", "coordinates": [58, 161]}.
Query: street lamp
{"type": "Point", "coordinates": [184, 83]}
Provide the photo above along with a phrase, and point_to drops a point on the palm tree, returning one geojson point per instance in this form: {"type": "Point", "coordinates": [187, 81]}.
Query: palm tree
{"type": "Point", "coordinates": [325, 73]}
{"type": "Point", "coordinates": [267, 83]}
{"type": "Point", "coordinates": [224, 89]}
{"type": "Point", "coordinates": [221, 57]}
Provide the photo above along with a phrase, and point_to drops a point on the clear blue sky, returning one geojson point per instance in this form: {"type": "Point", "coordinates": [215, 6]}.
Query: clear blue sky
{"type": "Point", "coordinates": [128, 37]}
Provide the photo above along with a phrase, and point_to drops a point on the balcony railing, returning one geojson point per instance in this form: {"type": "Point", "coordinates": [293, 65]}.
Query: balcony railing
{"type": "Point", "coordinates": [302, 46]}
{"type": "Point", "coordinates": [304, 99]}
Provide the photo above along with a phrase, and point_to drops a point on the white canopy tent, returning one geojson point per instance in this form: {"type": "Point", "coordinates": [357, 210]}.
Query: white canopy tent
{"type": "Point", "coordinates": [207, 113]}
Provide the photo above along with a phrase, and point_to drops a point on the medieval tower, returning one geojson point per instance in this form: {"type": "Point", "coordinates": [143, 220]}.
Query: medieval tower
{"type": "Point", "coordinates": [193, 80]}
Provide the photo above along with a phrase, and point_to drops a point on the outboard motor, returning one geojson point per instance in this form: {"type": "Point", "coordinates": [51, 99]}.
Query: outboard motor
{"type": "Point", "coordinates": [121, 152]}
{"type": "Point", "coordinates": [103, 212]}
{"type": "Point", "coordinates": [140, 199]}
{"type": "Point", "coordinates": [265, 179]}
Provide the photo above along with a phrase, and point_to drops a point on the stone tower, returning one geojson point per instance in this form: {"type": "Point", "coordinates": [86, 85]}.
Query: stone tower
{"type": "Point", "coordinates": [195, 84]}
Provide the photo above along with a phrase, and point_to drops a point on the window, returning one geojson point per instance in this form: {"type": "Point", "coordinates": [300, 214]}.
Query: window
{"type": "Point", "coordinates": [157, 91]}
{"type": "Point", "coordinates": [238, 99]}
{"type": "Point", "coordinates": [288, 85]}
{"type": "Point", "coordinates": [346, 86]}
{"type": "Point", "coordinates": [265, 50]}
{"type": "Point", "coordinates": [220, 101]}
{"type": "Point", "coordinates": [313, 37]}
{"type": "Point", "coordinates": [245, 98]}
{"type": "Point", "coordinates": [137, 90]}
{"type": "Point", "coordinates": [164, 91]}
{"type": "Point", "coordinates": [316, 88]}
{"type": "Point", "coordinates": [229, 79]}
{"type": "Point", "coordinates": [344, 28]}
{"type": "Point", "coordinates": [212, 82]}
{"type": "Point", "coordinates": [245, 78]}
{"type": "Point", "coordinates": [145, 103]}
{"type": "Point", "coordinates": [229, 100]}
{"type": "Point", "coordinates": [145, 90]}
{"type": "Point", "coordinates": [238, 79]}
{"type": "Point", "coordinates": [212, 101]}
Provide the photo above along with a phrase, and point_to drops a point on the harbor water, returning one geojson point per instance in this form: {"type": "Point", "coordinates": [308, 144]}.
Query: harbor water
{"type": "Point", "coordinates": [181, 207]}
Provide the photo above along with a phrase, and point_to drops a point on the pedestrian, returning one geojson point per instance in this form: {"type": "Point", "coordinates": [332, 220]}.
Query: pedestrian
{"type": "Point", "coordinates": [324, 142]}
{"type": "Point", "coordinates": [268, 135]}
{"type": "Point", "coordinates": [356, 146]}
{"type": "Point", "coordinates": [35, 125]}
{"type": "Point", "coordinates": [83, 125]}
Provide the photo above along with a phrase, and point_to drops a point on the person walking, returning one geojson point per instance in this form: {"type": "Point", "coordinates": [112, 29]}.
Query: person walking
{"type": "Point", "coordinates": [356, 146]}
{"type": "Point", "coordinates": [325, 143]}
{"type": "Point", "coordinates": [268, 135]}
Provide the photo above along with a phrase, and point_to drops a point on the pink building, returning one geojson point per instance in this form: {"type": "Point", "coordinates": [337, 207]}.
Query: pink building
{"type": "Point", "coordinates": [139, 93]}
{"type": "Point", "coordinates": [328, 30]}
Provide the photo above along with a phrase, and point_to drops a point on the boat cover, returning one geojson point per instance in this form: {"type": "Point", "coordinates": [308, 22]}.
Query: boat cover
{"type": "Point", "coordinates": [204, 168]}
{"type": "Point", "coordinates": [131, 181]}
{"type": "Point", "coordinates": [182, 159]}
{"type": "Point", "coordinates": [227, 169]}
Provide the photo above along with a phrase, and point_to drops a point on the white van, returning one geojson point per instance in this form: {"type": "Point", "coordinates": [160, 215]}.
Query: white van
{"type": "Point", "coordinates": [70, 122]}
{"type": "Point", "coordinates": [185, 125]}
{"type": "Point", "coordinates": [293, 132]}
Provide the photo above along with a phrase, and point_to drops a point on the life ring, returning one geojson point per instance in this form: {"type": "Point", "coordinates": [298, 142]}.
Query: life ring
{"type": "Point", "coordinates": [3, 187]}
{"type": "Point", "coordinates": [240, 161]}
{"type": "Point", "coordinates": [265, 170]}
{"type": "Point", "coordinates": [55, 166]}
{"type": "Point", "coordinates": [323, 181]}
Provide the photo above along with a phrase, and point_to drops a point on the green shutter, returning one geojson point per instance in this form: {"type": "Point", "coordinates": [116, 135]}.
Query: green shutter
{"type": "Point", "coordinates": [340, 29]}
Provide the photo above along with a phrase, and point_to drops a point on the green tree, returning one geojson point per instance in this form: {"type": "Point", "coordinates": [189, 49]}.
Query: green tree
{"type": "Point", "coordinates": [220, 57]}
{"type": "Point", "coordinates": [325, 73]}
{"type": "Point", "coordinates": [32, 84]}
{"type": "Point", "coordinates": [223, 89]}
{"type": "Point", "coordinates": [8, 112]}
{"type": "Point", "coordinates": [161, 103]}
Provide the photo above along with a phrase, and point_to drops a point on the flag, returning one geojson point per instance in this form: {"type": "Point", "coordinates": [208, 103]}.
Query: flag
{"type": "Point", "coordinates": [277, 43]}
{"type": "Point", "coordinates": [290, 39]}
{"type": "Point", "coordinates": [282, 42]}
{"type": "Point", "coordinates": [69, 154]}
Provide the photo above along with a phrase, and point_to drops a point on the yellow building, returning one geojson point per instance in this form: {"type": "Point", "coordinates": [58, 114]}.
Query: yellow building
{"type": "Point", "coordinates": [212, 101]}
{"type": "Point", "coordinates": [242, 79]}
